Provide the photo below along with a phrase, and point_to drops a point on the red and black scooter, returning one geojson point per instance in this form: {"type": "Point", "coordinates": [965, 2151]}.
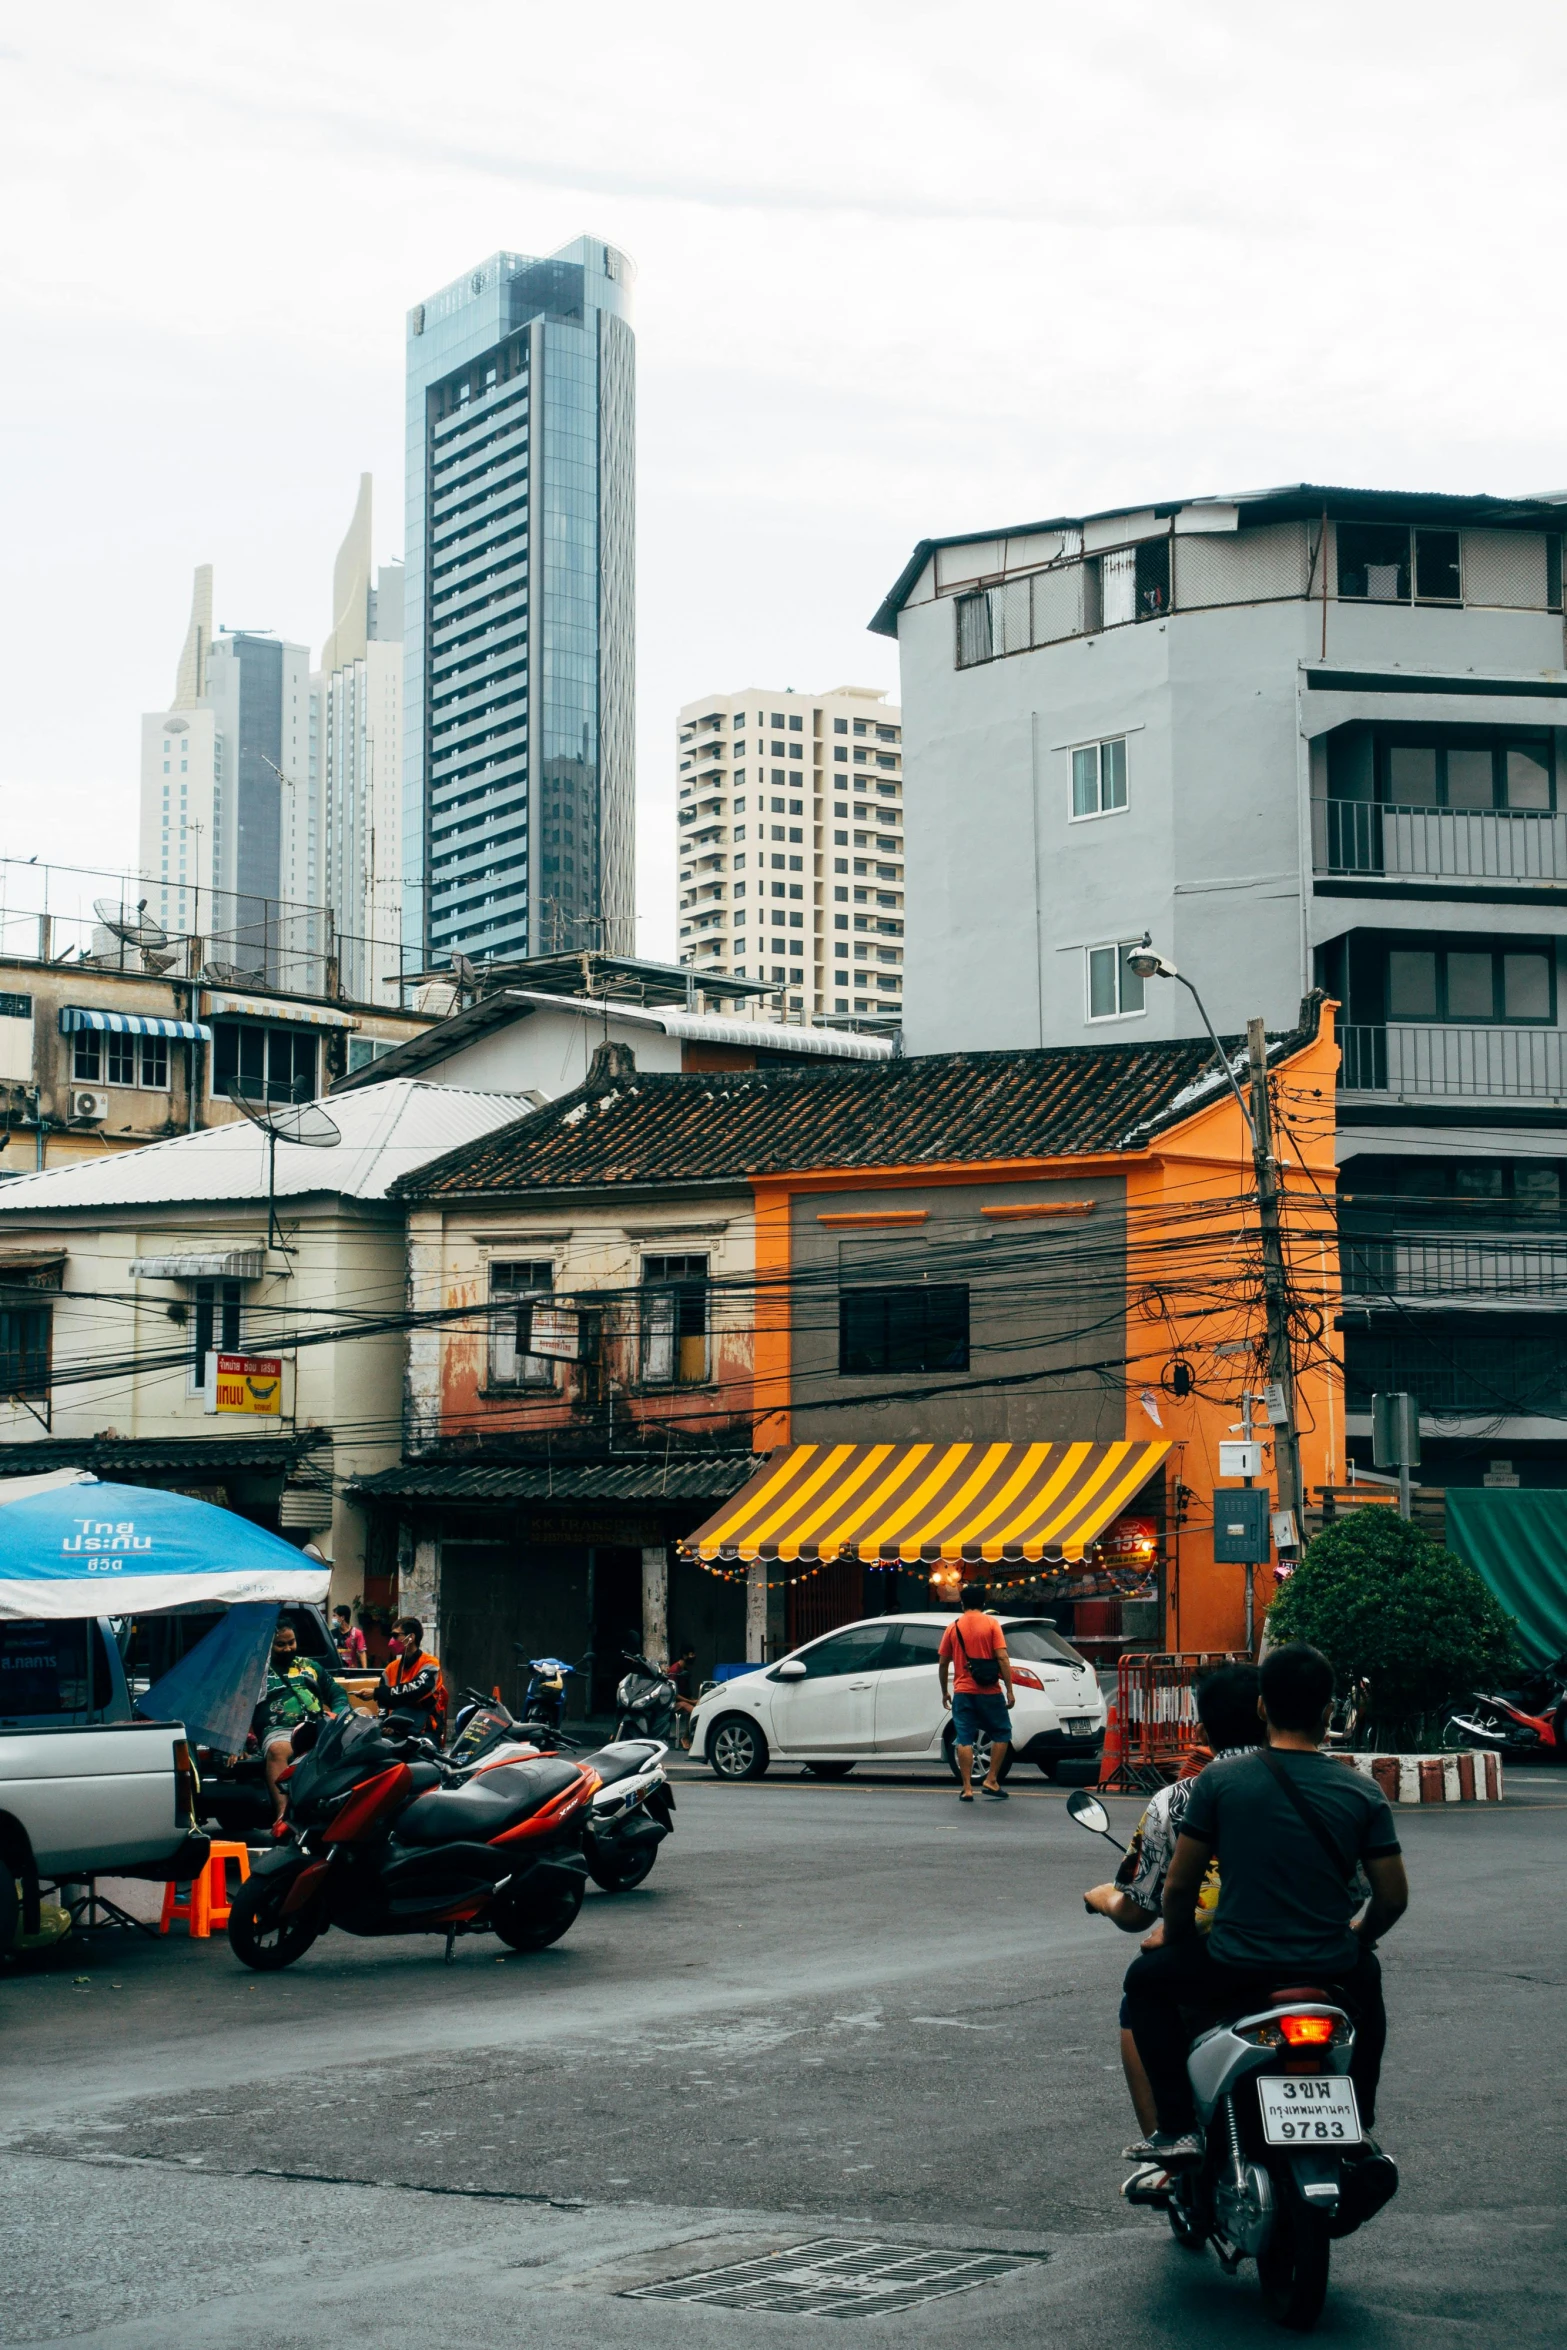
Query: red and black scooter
{"type": "Point", "coordinates": [1528, 1724]}
{"type": "Point", "coordinates": [390, 1840]}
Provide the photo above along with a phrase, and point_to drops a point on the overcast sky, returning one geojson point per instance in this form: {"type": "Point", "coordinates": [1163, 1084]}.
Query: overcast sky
{"type": "Point", "coordinates": [903, 269]}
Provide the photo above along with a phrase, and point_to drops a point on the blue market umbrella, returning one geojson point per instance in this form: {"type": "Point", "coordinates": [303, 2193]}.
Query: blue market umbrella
{"type": "Point", "coordinates": [86, 1548]}
{"type": "Point", "coordinates": [214, 1688]}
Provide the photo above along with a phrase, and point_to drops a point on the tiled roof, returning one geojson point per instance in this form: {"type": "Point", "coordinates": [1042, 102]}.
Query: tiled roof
{"type": "Point", "coordinates": [943, 1107]}
{"type": "Point", "coordinates": [681, 1477]}
{"type": "Point", "coordinates": [123, 1456]}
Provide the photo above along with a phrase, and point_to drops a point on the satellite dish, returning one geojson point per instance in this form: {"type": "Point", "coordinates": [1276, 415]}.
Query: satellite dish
{"type": "Point", "coordinates": [230, 975]}
{"type": "Point", "coordinates": [299, 1122]}
{"type": "Point", "coordinates": [466, 972]}
{"type": "Point", "coordinates": [131, 928]}
{"type": "Point", "coordinates": [155, 963]}
{"type": "Point", "coordinates": [302, 1122]}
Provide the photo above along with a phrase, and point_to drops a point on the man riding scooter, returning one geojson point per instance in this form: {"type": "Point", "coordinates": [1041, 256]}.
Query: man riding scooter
{"type": "Point", "coordinates": [1288, 1825]}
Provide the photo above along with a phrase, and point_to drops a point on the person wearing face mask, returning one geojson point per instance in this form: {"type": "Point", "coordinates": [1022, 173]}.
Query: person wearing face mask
{"type": "Point", "coordinates": [297, 1690]}
{"type": "Point", "coordinates": [412, 1683]}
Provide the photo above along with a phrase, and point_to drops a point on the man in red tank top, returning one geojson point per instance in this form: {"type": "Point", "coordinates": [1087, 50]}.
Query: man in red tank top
{"type": "Point", "coordinates": [977, 1646]}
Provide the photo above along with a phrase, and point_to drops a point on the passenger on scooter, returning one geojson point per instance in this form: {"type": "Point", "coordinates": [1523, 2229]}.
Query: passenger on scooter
{"type": "Point", "coordinates": [1288, 1825]}
{"type": "Point", "coordinates": [1228, 1719]}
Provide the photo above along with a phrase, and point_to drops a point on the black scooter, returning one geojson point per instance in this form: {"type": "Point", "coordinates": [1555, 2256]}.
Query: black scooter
{"type": "Point", "coordinates": [645, 1701]}
{"type": "Point", "coordinates": [629, 1816]}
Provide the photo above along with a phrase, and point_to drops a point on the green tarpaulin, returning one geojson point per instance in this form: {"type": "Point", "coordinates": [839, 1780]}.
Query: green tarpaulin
{"type": "Point", "coordinates": [1518, 1541]}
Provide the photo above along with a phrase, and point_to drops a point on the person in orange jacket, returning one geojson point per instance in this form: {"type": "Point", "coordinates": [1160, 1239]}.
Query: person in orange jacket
{"type": "Point", "coordinates": [412, 1683]}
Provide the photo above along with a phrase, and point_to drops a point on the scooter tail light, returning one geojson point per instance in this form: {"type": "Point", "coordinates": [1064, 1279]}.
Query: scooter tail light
{"type": "Point", "coordinates": [1306, 2031]}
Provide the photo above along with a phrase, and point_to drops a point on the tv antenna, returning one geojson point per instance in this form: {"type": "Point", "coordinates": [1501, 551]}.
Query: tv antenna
{"type": "Point", "coordinates": [132, 930]}
{"type": "Point", "coordinates": [304, 1123]}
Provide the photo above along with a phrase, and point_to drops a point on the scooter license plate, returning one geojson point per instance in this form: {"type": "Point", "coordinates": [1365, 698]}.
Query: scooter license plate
{"type": "Point", "coordinates": [1309, 2109]}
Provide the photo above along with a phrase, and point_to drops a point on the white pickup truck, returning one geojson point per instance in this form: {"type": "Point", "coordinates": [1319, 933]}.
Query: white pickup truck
{"type": "Point", "coordinates": [86, 1789]}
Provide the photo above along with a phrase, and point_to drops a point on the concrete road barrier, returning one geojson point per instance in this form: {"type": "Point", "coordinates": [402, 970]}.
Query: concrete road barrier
{"type": "Point", "coordinates": [1468, 1777]}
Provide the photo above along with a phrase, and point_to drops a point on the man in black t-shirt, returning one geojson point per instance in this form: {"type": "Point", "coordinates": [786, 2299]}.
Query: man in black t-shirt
{"type": "Point", "coordinates": [1287, 1897]}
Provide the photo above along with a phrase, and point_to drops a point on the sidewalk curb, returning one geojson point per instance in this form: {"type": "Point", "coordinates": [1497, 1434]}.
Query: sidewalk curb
{"type": "Point", "coordinates": [1470, 1777]}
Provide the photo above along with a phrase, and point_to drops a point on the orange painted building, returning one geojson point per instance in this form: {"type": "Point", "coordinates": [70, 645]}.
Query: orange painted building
{"type": "Point", "coordinates": [1043, 1249]}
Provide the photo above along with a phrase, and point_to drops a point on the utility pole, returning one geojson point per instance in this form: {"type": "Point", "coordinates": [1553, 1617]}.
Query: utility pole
{"type": "Point", "coordinates": [1275, 1280]}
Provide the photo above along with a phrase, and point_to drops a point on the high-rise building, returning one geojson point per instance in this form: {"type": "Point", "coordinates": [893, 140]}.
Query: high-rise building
{"type": "Point", "coordinates": [518, 771]}
{"type": "Point", "coordinates": [227, 786]}
{"type": "Point", "coordinates": [359, 692]}
{"type": "Point", "coordinates": [789, 813]}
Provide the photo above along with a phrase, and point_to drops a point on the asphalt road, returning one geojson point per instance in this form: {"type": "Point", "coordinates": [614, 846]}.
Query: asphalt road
{"type": "Point", "coordinates": [850, 2012]}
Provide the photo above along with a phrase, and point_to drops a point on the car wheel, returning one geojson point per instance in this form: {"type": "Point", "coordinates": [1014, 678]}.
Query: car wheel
{"type": "Point", "coordinates": [1071, 1772]}
{"type": "Point", "coordinates": [1048, 1767]}
{"type": "Point", "coordinates": [981, 1756]}
{"type": "Point", "coordinates": [736, 1748]}
{"type": "Point", "coordinates": [829, 1770]}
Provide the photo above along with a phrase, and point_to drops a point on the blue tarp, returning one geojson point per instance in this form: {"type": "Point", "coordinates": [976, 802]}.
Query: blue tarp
{"type": "Point", "coordinates": [93, 1549]}
{"type": "Point", "coordinates": [214, 1689]}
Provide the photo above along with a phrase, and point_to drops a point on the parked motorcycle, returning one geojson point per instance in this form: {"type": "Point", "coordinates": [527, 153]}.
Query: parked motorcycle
{"type": "Point", "coordinates": [629, 1816]}
{"type": "Point", "coordinates": [545, 1698]}
{"type": "Point", "coordinates": [1527, 1724]}
{"type": "Point", "coordinates": [645, 1702]}
{"type": "Point", "coordinates": [391, 1839]}
{"type": "Point", "coordinates": [1285, 2166]}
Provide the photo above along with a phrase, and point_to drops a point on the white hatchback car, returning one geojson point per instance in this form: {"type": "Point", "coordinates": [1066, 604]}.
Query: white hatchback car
{"type": "Point", "coordinates": [870, 1690]}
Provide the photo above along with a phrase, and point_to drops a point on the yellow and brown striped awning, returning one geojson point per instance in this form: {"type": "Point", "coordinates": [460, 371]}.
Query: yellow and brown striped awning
{"type": "Point", "coordinates": [919, 1502]}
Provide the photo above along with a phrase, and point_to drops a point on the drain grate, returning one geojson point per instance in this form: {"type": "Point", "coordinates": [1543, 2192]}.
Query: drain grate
{"type": "Point", "coordinates": [835, 2276]}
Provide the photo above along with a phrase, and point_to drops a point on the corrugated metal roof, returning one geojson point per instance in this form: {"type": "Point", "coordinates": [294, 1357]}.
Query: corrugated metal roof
{"type": "Point", "coordinates": [682, 1477]}
{"type": "Point", "coordinates": [938, 1108]}
{"type": "Point", "coordinates": [388, 1131]}
{"type": "Point", "coordinates": [119, 1456]}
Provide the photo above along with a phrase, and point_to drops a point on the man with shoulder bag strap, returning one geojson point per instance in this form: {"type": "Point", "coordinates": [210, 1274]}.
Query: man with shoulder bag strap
{"type": "Point", "coordinates": [976, 1644]}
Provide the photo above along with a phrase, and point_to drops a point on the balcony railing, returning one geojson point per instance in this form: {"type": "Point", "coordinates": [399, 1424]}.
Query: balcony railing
{"type": "Point", "coordinates": [1429, 1265]}
{"type": "Point", "coordinates": [1417, 1058]}
{"type": "Point", "coordinates": [1434, 844]}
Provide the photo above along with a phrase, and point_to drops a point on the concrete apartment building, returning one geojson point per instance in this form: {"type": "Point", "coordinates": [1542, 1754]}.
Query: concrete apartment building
{"type": "Point", "coordinates": [1303, 736]}
{"type": "Point", "coordinates": [789, 815]}
{"type": "Point", "coordinates": [229, 831]}
{"type": "Point", "coordinates": [519, 772]}
{"type": "Point", "coordinates": [358, 692]}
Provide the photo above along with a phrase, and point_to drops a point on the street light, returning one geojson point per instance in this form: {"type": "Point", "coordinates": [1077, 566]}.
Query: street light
{"type": "Point", "coordinates": [1149, 965]}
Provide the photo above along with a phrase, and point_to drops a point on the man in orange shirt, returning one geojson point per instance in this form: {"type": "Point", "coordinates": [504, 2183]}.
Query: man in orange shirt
{"type": "Point", "coordinates": [976, 1644]}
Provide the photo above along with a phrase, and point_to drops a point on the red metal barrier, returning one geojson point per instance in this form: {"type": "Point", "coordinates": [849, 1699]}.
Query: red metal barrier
{"type": "Point", "coordinates": [1157, 1717]}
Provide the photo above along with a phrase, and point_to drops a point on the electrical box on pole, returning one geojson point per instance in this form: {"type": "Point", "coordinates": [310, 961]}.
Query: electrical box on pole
{"type": "Point", "coordinates": [1240, 1526]}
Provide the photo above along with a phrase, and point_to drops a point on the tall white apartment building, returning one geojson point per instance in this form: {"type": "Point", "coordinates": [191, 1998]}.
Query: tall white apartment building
{"type": "Point", "coordinates": [789, 812]}
{"type": "Point", "coordinates": [359, 702]}
{"type": "Point", "coordinates": [227, 786]}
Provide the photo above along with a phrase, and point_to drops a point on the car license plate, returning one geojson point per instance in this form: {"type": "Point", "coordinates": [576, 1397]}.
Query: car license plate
{"type": "Point", "coordinates": [1078, 1727]}
{"type": "Point", "coordinates": [1309, 2109]}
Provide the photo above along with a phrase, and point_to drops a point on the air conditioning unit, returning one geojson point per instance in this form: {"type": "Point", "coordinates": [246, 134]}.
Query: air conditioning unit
{"type": "Point", "coordinates": [88, 1108]}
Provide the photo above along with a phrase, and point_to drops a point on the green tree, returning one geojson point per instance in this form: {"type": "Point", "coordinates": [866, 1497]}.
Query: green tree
{"type": "Point", "coordinates": [1389, 1605]}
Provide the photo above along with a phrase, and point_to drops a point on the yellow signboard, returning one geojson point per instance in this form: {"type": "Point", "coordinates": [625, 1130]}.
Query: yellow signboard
{"type": "Point", "coordinates": [249, 1383]}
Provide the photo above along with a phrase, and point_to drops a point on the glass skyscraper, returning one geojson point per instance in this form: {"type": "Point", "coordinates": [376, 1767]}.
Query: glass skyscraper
{"type": "Point", "coordinates": [519, 768]}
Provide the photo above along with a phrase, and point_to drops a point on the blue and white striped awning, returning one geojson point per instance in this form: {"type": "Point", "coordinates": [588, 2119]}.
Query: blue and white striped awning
{"type": "Point", "coordinates": [76, 1016]}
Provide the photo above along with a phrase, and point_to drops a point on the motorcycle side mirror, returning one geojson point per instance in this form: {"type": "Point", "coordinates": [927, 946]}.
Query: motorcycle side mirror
{"type": "Point", "coordinates": [790, 1670]}
{"type": "Point", "coordinates": [1090, 1813]}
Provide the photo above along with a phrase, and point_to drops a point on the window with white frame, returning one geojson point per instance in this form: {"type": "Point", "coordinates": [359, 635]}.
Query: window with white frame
{"type": "Point", "coordinates": [516, 1284]}
{"type": "Point", "coordinates": [1099, 778]}
{"type": "Point", "coordinates": [1113, 987]}
{"type": "Point", "coordinates": [674, 1321]}
{"type": "Point", "coordinates": [111, 1057]}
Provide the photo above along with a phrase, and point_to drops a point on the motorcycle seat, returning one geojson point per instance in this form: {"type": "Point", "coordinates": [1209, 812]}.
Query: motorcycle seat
{"type": "Point", "coordinates": [486, 1805]}
{"type": "Point", "coordinates": [1305, 1995]}
{"type": "Point", "coordinates": [623, 1760]}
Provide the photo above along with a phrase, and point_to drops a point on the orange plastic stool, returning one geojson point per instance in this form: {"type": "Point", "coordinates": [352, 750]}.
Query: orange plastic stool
{"type": "Point", "coordinates": [207, 1903]}
{"type": "Point", "coordinates": [218, 1881]}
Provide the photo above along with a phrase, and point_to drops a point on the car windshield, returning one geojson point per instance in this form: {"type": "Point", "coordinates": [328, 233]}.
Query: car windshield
{"type": "Point", "coordinates": [1038, 1642]}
